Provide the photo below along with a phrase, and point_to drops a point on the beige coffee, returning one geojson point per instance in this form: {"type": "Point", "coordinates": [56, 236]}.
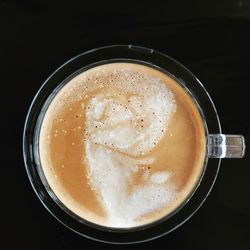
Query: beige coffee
{"type": "Point", "coordinates": [122, 145]}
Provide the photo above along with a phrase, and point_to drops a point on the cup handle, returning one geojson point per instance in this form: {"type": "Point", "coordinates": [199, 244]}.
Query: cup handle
{"type": "Point", "coordinates": [226, 146]}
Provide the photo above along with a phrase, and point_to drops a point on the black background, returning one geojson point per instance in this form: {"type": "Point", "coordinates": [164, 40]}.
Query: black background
{"type": "Point", "coordinates": [211, 38]}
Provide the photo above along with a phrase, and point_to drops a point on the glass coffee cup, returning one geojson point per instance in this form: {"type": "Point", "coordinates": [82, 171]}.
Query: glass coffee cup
{"type": "Point", "coordinates": [218, 145]}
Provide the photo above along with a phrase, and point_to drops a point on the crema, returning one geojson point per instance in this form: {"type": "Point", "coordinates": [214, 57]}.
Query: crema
{"type": "Point", "coordinates": [122, 145]}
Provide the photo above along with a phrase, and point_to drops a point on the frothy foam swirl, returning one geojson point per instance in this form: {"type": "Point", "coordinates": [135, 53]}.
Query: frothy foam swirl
{"type": "Point", "coordinates": [124, 124]}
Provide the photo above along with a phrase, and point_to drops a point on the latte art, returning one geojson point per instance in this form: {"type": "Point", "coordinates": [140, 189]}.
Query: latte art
{"type": "Point", "coordinates": [122, 127]}
{"type": "Point", "coordinates": [132, 116]}
{"type": "Point", "coordinates": [122, 145]}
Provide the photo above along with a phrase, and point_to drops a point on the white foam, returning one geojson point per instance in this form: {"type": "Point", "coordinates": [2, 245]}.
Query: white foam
{"type": "Point", "coordinates": [122, 125]}
{"type": "Point", "coordinates": [110, 175]}
{"type": "Point", "coordinates": [132, 116]}
{"type": "Point", "coordinates": [160, 177]}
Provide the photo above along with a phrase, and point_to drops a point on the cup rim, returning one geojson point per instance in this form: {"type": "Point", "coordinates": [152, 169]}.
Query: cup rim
{"type": "Point", "coordinates": [31, 120]}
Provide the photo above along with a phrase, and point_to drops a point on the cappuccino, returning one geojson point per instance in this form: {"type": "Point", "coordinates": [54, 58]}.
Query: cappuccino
{"type": "Point", "coordinates": [122, 145]}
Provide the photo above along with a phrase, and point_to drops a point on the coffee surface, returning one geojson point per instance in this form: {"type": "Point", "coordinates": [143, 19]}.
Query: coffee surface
{"type": "Point", "coordinates": [122, 144]}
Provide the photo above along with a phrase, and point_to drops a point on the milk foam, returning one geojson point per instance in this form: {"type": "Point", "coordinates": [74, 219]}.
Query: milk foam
{"type": "Point", "coordinates": [123, 125]}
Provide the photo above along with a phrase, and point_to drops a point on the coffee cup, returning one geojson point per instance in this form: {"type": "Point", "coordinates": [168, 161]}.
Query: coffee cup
{"type": "Point", "coordinates": [122, 144]}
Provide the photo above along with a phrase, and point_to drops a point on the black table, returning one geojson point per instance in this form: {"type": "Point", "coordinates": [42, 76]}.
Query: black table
{"type": "Point", "coordinates": [212, 40]}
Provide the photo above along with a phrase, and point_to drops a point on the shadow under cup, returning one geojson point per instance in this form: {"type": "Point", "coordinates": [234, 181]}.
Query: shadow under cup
{"type": "Point", "coordinates": [80, 63]}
